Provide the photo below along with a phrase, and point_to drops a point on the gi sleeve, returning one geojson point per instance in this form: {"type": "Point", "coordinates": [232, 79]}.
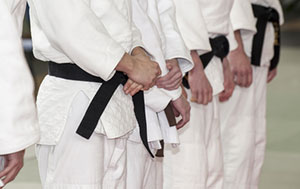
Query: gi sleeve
{"type": "Point", "coordinates": [242, 17]}
{"type": "Point", "coordinates": [18, 120]}
{"type": "Point", "coordinates": [192, 25]}
{"type": "Point", "coordinates": [231, 39]}
{"type": "Point", "coordinates": [174, 44]}
{"type": "Point", "coordinates": [74, 29]}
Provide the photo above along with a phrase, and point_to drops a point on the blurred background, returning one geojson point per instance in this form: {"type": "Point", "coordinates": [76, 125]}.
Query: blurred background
{"type": "Point", "coordinates": [282, 164]}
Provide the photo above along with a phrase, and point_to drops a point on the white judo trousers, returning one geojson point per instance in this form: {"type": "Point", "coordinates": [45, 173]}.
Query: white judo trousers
{"type": "Point", "coordinates": [79, 163]}
{"type": "Point", "coordinates": [141, 167]}
{"type": "Point", "coordinates": [243, 129]}
{"type": "Point", "coordinates": [198, 161]}
{"type": "Point", "coordinates": [243, 123]}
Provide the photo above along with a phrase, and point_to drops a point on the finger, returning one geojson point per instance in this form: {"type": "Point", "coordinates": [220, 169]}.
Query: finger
{"type": "Point", "coordinates": [200, 98]}
{"type": "Point", "coordinates": [239, 80]}
{"type": "Point", "coordinates": [194, 97]}
{"type": "Point", "coordinates": [272, 74]}
{"type": "Point", "coordinates": [164, 82]}
{"type": "Point", "coordinates": [169, 66]}
{"type": "Point", "coordinates": [173, 86]}
{"type": "Point", "coordinates": [179, 124]}
{"type": "Point", "coordinates": [7, 169]}
{"type": "Point", "coordinates": [222, 96]}
{"type": "Point", "coordinates": [136, 90]}
{"type": "Point", "coordinates": [183, 121]}
{"type": "Point", "coordinates": [184, 93]}
{"type": "Point", "coordinates": [270, 78]}
{"type": "Point", "coordinates": [127, 85]}
{"type": "Point", "coordinates": [131, 88]}
{"type": "Point", "coordinates": [158, 72]}
{"type": "Point", "coordinates": [244, 80]}
{"type": "Point", "coordinates": [250, 78]}
{"type": "Point", "coordinates": [164, 79]}
{"type": "Point", "coordinates": [176, 113]}
{"type": "Point", "coordinates": [11, 176]}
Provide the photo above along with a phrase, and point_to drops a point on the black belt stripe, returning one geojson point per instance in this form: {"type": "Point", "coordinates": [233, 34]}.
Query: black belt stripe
{"type": "Point", "coordinates": [265, 15]}
{"type": "Point", "coordinates": [220, 48]}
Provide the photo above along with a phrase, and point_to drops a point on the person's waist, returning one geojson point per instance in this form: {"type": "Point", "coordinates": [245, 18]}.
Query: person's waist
{"type": "Point", "coordinates": [73, 72]}
{"type": "Point", "coordinates": [220, 48]}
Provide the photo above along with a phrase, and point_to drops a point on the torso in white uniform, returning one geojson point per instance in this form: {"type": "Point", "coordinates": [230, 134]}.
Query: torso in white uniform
{"type": "Point", "coordinates": [18, 120]}
{"type": "Point", "coordinates": [95, 35]}
{"type": "Point", "coordinates": [200, 19]}
{"type": "Point", "coordinates": [147, 17]}
{"type": "Point", "coordinates": [243, 19]}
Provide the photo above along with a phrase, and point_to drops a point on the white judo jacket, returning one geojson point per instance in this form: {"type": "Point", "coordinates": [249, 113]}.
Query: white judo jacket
{"type": "Point", "coordinates": [18, 121]}
{"type": "Point", "coordinates": [242, 18]}
{"type": "Point", "coordinates": [198, 20]}
{"type": "Point", "coordinates": [95, 35]}
{"type": "Point", "coordinates": [161, 37]}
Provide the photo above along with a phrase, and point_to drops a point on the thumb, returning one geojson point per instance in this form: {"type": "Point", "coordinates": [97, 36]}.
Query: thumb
{"type": "Point", "coordinates": [169, 66]}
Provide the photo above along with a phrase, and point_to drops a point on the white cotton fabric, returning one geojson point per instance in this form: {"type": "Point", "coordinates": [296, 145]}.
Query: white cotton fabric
{"type": "Point", "coordinates": [75, 162]}
{"type": "Point", "coordinates": [244, 133]}
{"type": "Point", "coordinates": [197, 26]}
{"type": "Point", "coordinates": [156, 21]}
{"type": "Point", "coordinates": [104, 32]}
{"type": "Point", "coordinates": [197, 162]}
{"type": "Point", "coordinates": [18, 120]}
{"type": "Point", "coordinates": [244, 129]}
{"type": "Point", "coordinates": [56, 96]}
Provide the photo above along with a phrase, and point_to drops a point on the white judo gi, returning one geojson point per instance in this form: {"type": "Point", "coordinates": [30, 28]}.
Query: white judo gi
{"type": "Point", "coordinates": [198, 162]}
{"type": "Point", "coordinates": [94, 35]}
{"type": "Point", "coordinates": [160, 35]}
{"type": "Point", "coordinates": [18, 120]}
{"type": "Point", "coordinates": [243, 117]}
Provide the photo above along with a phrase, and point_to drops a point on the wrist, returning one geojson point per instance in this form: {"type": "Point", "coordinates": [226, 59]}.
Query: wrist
{"type": "Point", "coordinates": [198, 69]}
{"type": "Point", "coordinates": [126, 64]}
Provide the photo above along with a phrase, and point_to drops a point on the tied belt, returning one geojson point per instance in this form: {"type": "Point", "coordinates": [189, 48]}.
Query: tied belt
{"type": "Point", "coordinates": [220, 49]}
{"type": "Point", "coordinates": [100, 100]}
{"type": "Point", "coordinates": [265, 15]}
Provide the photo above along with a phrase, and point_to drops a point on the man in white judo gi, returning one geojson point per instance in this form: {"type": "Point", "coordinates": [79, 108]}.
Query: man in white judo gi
{"type": "Point", "coordinates": [102, 42]}
{"type": "Point", "coordinates": [198, 163]}
{"type": "Point", "coordinates": [243, 116]}
{"type": "Point", "coordinates": [18, 121]}
{"type": "Point", "coordinates": [160, 35]}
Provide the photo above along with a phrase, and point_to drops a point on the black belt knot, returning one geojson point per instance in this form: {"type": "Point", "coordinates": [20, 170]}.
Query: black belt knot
{"type": "Point", "coordinates": [220, 48]}
{"type": "Point", "coordinates": [101, 98]}
{"type": "Point", "coordinates": [265, 15]}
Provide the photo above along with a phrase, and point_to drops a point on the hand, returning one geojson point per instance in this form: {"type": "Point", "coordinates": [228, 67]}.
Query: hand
{"type": "Point", "coordinates": [240, 63]}
{"type": "Point", "coordinates": [241, 67]}
{"type": "Point", "coordinates": [200, 87]}
{"type": "Point", "coordinates": [272, 74]}
{"type": "Point", "coordinates": [228, 82]}
{"type": "Point", "coordinates": [173, 79]}
{"type": "Point", "coordinates": [145, 71]}
{"type": "Point", "coordinates": [132, 87]}
{"type": "Point", "coordinates": [13, 164]}
{"type": "Point", "coordinates": [184, 93]}
{"type": "Point", "coordinates": [139, 68]}
{"type": "Point", "coordinates": [181, 107]}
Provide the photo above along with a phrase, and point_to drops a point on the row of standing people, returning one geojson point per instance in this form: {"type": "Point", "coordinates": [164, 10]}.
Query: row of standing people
{"type": "Point", "coordinates": [94, 135]}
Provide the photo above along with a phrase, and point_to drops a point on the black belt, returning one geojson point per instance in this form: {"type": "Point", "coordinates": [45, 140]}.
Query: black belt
{"type": "Point", "coordinates": [265, 15]}
{"type": "Point", "coordinates": [220, 49]}
{"type": "Point", "coordinates": [101, 98]}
